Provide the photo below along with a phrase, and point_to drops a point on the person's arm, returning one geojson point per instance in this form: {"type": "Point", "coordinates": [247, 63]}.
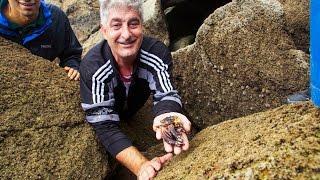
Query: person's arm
{"type": "Point", "coordinates": [166, 98]}
{"type": "Point", "coordinates": [120, 147]}
{"type": "Point", "coordinates": [140, 165]}
{"type": "Point", "coordinates": [71, 55]}
{"type": "Point", "coordinates": [105, 121]}
{"type": "Point", "coordinates": [102, 117]}
{"type": "Point", "coordinates": [168, 103]}
{"type": "Point", "coordinates": [132, 159]}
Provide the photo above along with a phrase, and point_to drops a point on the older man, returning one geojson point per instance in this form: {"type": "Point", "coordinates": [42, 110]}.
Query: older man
{"type": "Point", "coordinates": [43, 29]}
{"type": "Point", "coordinates": [117, 77]}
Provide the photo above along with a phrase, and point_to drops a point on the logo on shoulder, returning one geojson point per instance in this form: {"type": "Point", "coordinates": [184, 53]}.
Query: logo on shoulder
{"type": "Point", "coordinates": [46, 46]}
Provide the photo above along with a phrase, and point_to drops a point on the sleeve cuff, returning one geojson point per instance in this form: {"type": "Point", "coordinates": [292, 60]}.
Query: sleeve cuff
{"type": "Point", "coordinates": [111, 136]}
{"type": "Point", "coordinates": [165, 107]}
{"type": "Point", "coordinates": [71, 63]}
{"type": "Point", "coordinates": [118, 146]}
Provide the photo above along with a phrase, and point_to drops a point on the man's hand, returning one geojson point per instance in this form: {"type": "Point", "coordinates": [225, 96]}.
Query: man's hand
{"type": "Point", "coordinates": [149, 169]}
{"type": "Point", "coordinates": [72, 73]}
{"type": "Point", "coordinates": [139, 164]}
{"type": "Point", "coordinates": [186, 126]}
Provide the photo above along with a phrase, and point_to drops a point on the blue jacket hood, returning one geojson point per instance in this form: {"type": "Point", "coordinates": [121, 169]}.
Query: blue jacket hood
{"type": "Point", "coordinates": [4, 23]}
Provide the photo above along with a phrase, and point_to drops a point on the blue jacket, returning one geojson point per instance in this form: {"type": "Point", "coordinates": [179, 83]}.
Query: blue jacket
{"type": "Point", "coordinates": [54, 38]}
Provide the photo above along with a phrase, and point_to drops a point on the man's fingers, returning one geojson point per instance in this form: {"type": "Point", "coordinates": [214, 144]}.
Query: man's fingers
{"type": "Point", "coordinates": [185, 142]}
{"type": "Point", "coordinates": [167, 157]}
{"type": "Point", "coordinates": [151, 171]}
{"type": "Point", "coordinates": [156, 163]}
{"type": "Point", "coordinates": [77, 77]}
{"type": "Point", "coordinates": [144, 175]}
{"type": "Point", "coordinates": [147, 172]}
{"type": "Point", "coordinates": [66, 68]}
{"type": "Point", "coordinates": [186, 124]}
{"type": "Point", "coordinates": [167, 147]}
{"type": "Point", "coordinates": [177, 150]}
{"type": "Point", "coordinates": [74, 75]}
{"type": "Point", "coordinates": [158, 134]}
{"type": "Point", "coordinates": [70, 72]}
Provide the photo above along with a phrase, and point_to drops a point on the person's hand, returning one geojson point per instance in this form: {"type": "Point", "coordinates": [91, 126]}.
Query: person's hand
{"type": "Point", "coordinates": [149, 169]}
{"type": "Point", "coordinates": [186, 126]}
{"type": "Point", "coordinates": [72, 73]}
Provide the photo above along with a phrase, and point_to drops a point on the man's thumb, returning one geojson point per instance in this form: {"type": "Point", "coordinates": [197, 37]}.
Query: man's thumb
{"type": "Point", "coordinates": [165, 158]}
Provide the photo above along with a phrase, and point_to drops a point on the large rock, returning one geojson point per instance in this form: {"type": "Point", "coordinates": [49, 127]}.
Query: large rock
{"type": "Point", "coordinates": [83, 16]}
{"type": "Point", "coordinates": [94, 39]}
{"type": "Point", "coordinates": [296, 15]}
{"type": "Point", "coordinates": [43, 134]}
{"type": "Point", "coordinates": [154, 21]}
{"type": "Point", "coordinates": [243, 61]}
{"type": "Point", "coordinates": [283, 143]}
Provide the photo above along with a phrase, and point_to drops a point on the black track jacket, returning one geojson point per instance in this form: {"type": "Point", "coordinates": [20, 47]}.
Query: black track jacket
{"type": "Point", "coordinates": [103, 94]}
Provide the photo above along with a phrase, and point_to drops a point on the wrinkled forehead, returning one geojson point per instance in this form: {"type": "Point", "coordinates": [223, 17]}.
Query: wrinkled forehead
{"type": "Point", "coordinates": [122, 12]}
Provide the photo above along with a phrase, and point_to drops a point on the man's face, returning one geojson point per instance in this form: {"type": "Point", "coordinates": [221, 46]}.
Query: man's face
{"type": "Point", "coordinates": [123, 31]}
{"type": "Point", "coordinates": [25, 8]}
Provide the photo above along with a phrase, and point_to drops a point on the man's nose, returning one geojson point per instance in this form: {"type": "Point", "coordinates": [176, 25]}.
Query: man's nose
{"type": "Point", "coordinates": [126, 32]}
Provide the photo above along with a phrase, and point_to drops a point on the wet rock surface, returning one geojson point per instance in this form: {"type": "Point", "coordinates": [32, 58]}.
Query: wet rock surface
{"type": "Point", "coordinates": [42, 129]}
{"type": "Point", "coordinates": [243, 61]}
{"type": "Point", "coordinates": [296, 15]}
{"type": "Point", "coordinates": [283, 143]}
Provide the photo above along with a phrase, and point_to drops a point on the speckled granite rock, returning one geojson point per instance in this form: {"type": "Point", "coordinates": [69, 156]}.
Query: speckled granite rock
{"type": "Point", "coordinates": [243, 61]}
{"type": "Point", "coordinates": [282, 143]}
{"type": "Point", "coordinates": [296, 15]}
{"type": "Point", "coordinates": [43, 134]}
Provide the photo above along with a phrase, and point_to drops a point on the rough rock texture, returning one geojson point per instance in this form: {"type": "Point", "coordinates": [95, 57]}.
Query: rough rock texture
{"type": "Point", "coordinates": [91, 41]}
{"type": "Point", "coordinates": [42, 130]}
{"type": "Point", "coordinates": [296, 15]}
{"type": "Point", "coordinates": [83, 16]}
{"type": "Point", "coordinates": [283, 143]}
{"type": "Point", "coordinates": [243, 61]}
{"type": "Point", "coordinates": [154, 21]}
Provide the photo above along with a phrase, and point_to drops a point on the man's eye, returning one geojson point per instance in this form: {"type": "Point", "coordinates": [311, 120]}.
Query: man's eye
{"type": "Point", "coordinates": [134, 24]}
{"type": "Point", "coordinates": [116, 26]}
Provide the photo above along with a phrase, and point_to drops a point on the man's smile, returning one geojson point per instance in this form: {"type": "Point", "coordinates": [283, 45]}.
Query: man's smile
{"type": "Point", "coordinates": [27, 4]}
{"type": "Point", "coordinates": [128, 43]}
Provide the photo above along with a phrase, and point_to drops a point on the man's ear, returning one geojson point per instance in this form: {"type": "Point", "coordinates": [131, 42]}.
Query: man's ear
{"type": "Point", "coordinates": [104, 32]}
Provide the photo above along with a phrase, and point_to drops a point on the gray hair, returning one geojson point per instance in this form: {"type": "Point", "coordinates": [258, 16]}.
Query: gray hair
{"type": "Point", "coordinates": [106, 5]}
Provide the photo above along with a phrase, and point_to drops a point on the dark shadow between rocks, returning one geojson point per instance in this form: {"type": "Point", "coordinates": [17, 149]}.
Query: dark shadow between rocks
{"type": "Point", "coordinates": [185, 18]}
